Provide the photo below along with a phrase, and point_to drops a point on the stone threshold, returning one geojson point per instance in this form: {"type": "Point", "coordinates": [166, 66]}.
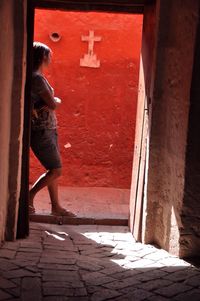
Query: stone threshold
{"type": "Point", "coordinates": [64, 220]}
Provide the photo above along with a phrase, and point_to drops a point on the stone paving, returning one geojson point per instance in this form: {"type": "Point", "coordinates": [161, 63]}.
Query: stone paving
{"type": "Point", "coordinates": [60, 263]}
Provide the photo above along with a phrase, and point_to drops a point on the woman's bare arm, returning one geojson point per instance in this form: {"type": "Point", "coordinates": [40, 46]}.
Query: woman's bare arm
{"type": "Point", "coordinates": [48, 98]}
{"type": "Point", "coordinates": [51, 101]}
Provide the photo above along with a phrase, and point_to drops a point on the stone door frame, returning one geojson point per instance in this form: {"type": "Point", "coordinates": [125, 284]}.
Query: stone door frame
{"type": "Point", "coordinates": [116, 6]}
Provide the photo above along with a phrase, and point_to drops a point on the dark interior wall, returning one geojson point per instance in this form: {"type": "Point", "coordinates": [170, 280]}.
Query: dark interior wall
{"type": "Point", "coordinates": [171, 97]}
{"type": "Point", "coordinates": [190, 232]}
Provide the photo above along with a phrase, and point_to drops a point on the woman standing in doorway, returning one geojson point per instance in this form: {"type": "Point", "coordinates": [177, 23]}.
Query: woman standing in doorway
{"type": "Point", "coordinates": [44, 141]}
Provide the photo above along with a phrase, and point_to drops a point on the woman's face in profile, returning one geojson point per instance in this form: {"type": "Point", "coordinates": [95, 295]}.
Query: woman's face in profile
{"type": "Point", "coordinates": [47, 60]}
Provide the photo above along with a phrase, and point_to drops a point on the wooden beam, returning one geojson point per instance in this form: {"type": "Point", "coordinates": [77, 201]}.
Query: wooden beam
{"type": "Point", "coordinates": [118, 6]}
{"type": "Point", "coordinates": [23, 213]}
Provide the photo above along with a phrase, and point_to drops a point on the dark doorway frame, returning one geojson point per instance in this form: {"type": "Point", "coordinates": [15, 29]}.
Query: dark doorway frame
{"type": "Point", "coordinates": [113, 6]}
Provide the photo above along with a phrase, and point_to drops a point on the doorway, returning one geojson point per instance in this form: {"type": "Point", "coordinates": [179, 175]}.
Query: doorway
{"type": "Point", "coordinates": [96, 122]}
{"type": "Point", "coordinates": [138, 172]}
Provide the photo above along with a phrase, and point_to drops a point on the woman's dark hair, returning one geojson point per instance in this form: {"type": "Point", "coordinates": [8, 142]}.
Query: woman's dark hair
{"type": "Point", "coordinates": [40, 51]}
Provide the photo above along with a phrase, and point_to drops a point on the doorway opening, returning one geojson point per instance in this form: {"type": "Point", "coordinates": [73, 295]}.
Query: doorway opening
{"type": "Point", "coordinates": [95, 71]}
{"type": "Point", "coordinates": [135, 174]}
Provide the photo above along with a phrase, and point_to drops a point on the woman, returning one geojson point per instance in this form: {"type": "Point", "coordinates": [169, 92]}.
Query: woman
{"type": "Point", "coordinates": [44, 130]}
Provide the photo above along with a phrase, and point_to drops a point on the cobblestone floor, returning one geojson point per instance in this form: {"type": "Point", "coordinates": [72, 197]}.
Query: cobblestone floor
{"type": "Point", "coordinates": [59, 263]}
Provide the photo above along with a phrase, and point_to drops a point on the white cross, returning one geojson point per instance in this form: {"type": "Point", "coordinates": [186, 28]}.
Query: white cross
{"type": "Point", "coordinates": [91, 39]}
{"type": "Point", "coordinates": [90, 59]}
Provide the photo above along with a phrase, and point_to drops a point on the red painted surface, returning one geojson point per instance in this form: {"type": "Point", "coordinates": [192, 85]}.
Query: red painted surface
{"type": "Point", "coordinates": [97, 116]}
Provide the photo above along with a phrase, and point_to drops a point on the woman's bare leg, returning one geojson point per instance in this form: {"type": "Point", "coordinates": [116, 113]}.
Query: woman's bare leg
{"type": "Point", "coordinates": [53, 193]}
{"type": "Point", "coordinates": [44, 180]}
{"type": "Point", "coordinates": [49, 179]}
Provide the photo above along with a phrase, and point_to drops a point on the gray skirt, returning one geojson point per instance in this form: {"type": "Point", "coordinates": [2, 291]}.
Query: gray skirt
{"type": "Point", "coordinates": [44, 144]}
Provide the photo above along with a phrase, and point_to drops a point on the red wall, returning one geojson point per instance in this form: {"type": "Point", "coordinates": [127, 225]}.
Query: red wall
{"type": "Point", "coordinates": [97, 116]}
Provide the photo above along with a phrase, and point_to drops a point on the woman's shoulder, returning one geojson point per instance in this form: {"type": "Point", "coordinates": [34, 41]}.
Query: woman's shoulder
{"type": "Point", "coordinates": [40, 82]}
{"type": "Point", "coordinates": [38, 76]}
{"type": "Point", "coordinates": [38, 79]}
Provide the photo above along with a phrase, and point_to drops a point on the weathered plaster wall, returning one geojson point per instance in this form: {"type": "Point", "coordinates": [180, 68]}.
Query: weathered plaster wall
{"type": "Point", "coordinates": [173, 74]}
{"type": "Point", "coordinates": [12, 80]}
{"type": "Point", "coordinates": [97, 116]}
{"type": "Point", "coordinates": [6, 76]}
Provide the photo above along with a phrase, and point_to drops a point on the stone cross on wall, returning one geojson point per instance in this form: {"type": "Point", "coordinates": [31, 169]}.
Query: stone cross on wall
{"type": "Point", "coordinates": [90, 59]}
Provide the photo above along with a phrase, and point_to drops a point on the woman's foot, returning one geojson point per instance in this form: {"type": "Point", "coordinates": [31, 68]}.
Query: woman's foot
{"type": "Point", "coordinates": [61, 212]}
{"type": "Point", "coordinates": [31, 209]}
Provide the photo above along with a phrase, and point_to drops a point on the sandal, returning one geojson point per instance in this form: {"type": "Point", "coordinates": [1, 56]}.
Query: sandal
{"type": "Point", "coordinates": [63, 212]}
{"type": "Point", "coordinates": [31, 209]}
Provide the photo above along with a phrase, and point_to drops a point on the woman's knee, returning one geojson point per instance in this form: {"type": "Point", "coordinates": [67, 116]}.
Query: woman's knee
{"type": "Point", "coordinates": [57, 172]}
